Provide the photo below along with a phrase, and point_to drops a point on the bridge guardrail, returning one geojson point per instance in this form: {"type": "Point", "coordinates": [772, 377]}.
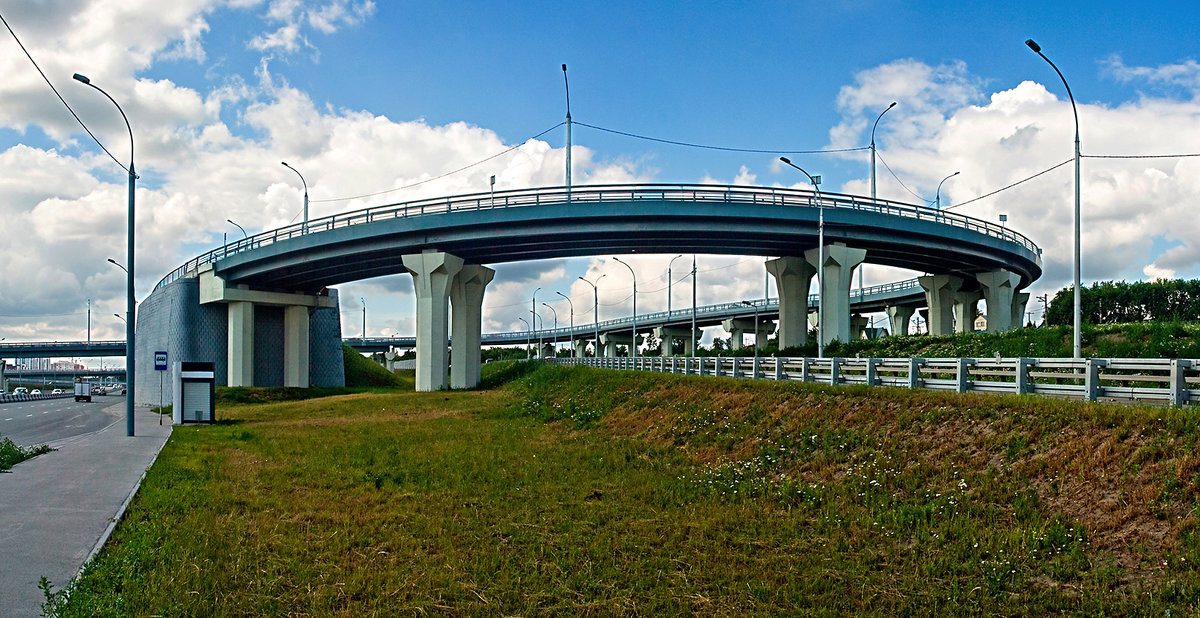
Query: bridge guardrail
{"type": "Point", "coordinates": [1168, 381]}
{"type": "Point", "coordinates": [778, 196]}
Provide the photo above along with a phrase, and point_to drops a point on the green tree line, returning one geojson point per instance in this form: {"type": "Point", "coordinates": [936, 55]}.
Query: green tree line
{"type": "Point", "coordinates": [1108, 302]}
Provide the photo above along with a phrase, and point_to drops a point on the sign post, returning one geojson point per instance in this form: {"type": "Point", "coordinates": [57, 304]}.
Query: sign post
{"type": "Point", "coordinates": [160, 365]}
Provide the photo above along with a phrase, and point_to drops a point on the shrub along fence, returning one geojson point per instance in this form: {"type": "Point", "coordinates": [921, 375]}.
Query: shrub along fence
{"type": "Point", "coordinates": [1131, 380]}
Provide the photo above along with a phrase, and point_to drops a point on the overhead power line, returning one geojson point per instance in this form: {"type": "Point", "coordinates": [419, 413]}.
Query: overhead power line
{"type": "Point", "coordinates": [60, 97]}
{"type": "Point", "coordinates": [710, 147]}
{"type": "Point", "coordinates": [976, 199]}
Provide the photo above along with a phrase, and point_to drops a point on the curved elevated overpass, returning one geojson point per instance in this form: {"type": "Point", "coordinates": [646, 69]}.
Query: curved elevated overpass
{"type": "Point", "coordinates": [445, 244]}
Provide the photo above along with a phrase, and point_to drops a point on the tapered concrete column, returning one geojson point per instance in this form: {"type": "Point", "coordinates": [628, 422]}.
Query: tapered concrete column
{"type": "Point", "coordinates": [793, 278]}
{"type": "Point", "coordinates": [241, 344]}
{"type": "Point", "coordinates": [390, 356]}
{"type": "Point", "coordinates": [966, 309]}
{"type": "Point", "coordinates": [580, 347]}
{"type": "Point", "coordinates": [924, 313]}
{"type": "Point", "coordinates": [610, 346]}
{"type": "Point", "coordinates": [1018, 309]}
{"type": "Point", "coordinates": [939, 294]}
{"type": "Point", "coordinates": [858, 326]}
{"type": "Point", "coordinates": [432, 272]}
{"type": "Point", "coordinates": [295, 346]}
{"type": "Point", "coordinates": [466, 300]}
{"type": "Point", "coordinates": [611, 340]}
{"type": "Point", "coordinates": [737, 327]}
{"type": "Point", "coordinates": [998, 288]}
{"type": "Point", "coordinates": [840, 261]}
{"type": "Point", "coordinates": [670, 334]}
{"type": "Point", "coordinates": [899, 318]}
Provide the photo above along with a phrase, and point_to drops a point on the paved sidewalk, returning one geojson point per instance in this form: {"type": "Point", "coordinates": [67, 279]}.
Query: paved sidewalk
{"type": "Point", "coordinates": [55, 508]}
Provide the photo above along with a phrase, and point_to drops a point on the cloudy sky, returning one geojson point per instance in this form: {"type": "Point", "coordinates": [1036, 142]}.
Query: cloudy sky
{"type": "Point", "coordinates": [375, 97]}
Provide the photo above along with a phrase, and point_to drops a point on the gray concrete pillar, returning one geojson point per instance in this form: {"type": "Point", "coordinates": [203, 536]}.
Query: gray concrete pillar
{"type": "Point", "coordinates": [999, 286]}
{"type": "Point", "coordinates": [924, 314]}
{"type": "Point", "coordinates": [241, 344]}
{"type": "Point", "coordinates": [793, 278]}
{"type": "Point", "coordinates": [858, 326]}
{"type": "Point", "coordinates": [295, 346]}
{"type": "Point", "coordinates": [466, 302]}
{"type": "Point", "coordinates": [1018, 309]}
{"type": "Point", "coordinates": [835, 278]}
{"type": "Point", "coordinates": [580, 347]}
{"type": "Point", "coordinates": [737, 327]}
{"type": "Point", "coordinates": [966, 309]}
{"type": "Point", "coordinates": [898, 319]}
{"type": "Point", "coordinates": [611, 340]}
{"type": "Point", "coordinates": [390, 356]}
{"type": "Point", "coordinates": [939, 295]}
{"type": "Point", "coordinates": [673, 333]}
{"type": "Point", "coordinates": [432, 272]}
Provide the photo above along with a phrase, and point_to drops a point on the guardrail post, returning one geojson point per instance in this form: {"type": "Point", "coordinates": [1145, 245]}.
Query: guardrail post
{"type": "Point", "coordinates": [779, 362]}
{"type": "Point", "coordinates": [871, 371]}
{"type": "Point", "coordinates": [1024, 386]}
{"type": "Point", "coordinates": [754, 369]}
{"type": "Point", "coordinates": [805, 370]}
{"type": "Point", "coordinates": [914, 372]}
{"type": "Point", "coordinates": [962, 374]}
{"type": "Point", "coordinates": [1091, 380]}
{"type": "Point", "coordinates": [737, 366]}
{"type": "Point", "coordinates": [834, 364]}
{"type": "Point", "coordinates": [717, 366]}
{"type": "Point", "coordinates": [1179, 390]}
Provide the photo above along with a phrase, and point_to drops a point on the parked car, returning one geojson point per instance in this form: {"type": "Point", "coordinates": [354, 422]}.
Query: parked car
{"type": "Point", "coordinates": [20, 390]}
{"type": "Point", "coordinates": [35, 392]}
{"type": "Point", "coordinates": [57, 391]}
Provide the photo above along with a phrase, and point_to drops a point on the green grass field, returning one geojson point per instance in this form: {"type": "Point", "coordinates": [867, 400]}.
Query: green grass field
{"type": "Point", "coordinates": [586, 492]}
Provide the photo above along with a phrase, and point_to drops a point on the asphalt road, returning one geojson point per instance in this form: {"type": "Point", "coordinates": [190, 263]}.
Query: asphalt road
{"type": "Point", "coordinates": [39, 422]}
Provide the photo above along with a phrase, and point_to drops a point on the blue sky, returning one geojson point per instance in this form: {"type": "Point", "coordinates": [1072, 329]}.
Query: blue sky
{"type": "Point", "coordinates": [366, 96]}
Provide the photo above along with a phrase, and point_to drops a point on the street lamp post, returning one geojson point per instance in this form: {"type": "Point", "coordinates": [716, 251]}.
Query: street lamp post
{"type": "Point", "coordinates": [304, 227]}
{"type": "Point", "coordinates": [529, 340]}
{"type": "Point", "coordinates": [694, 305]}
{"type": "Point", "coordinates": [364, 308]}
{"type": "Point", "coordinates": [669, 264]}
{"type": "Point", "coordinates": [937, 196]}
{"type": "Point", "coordinates": [631, 274]}
{"type": "Point", "coordinates": [567, 86]}
{"type": "Point", "coordinates": [244, 234]}
{"type": "Point", "coordinates": [533, 310]}
{"type": "Point", "coordinates": [755, 307]}
{"type": "Point", "coordinates": [816, 182]}
{"type": "Point", "coordinates": [595, 311]}
{"type": "Point", "coordinates": [554, 335]}
{"type": "Point", "coordinates": [571, 305]}
{"type": "Point", "coordinates": [873, 127]}
{"type": "Point", "coordinates": [1078, 298]}
{"type": "Point", "coordinates": [130, 343]}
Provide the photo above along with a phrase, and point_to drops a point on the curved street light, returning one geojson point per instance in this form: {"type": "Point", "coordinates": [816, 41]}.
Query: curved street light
{"type": "Point", "coordinates": [873, 127]}
{"type": "Point", "coordinates": [567, 86]}
{"type": "Point", "coordinates": [937, 196]}
{"type": "Point", "coordinates": [554, 336]}
{"type": "Point", "coordinates": [1078, 298]}
{"type": "Point", "coordinates": [304, 227]}
{"type": "Point", "coordinates": [244, 234]}
{"type": "Point", "coordinates": [533, 310]}
{"type": "Point", "coordinates": [595, 311]}
{"type": "Point", "coordinates": [633, 347]}
{"type": "Point", "coordinates": [130, 343]}
{"type": "Point", "coordinates": [529, 341]}
{"type": "Point", "coordinates": [572, 306]}
{"type": "Point", "coordinates": [816, 182]}
{"type": "Point", "coordinates": [669, 264]}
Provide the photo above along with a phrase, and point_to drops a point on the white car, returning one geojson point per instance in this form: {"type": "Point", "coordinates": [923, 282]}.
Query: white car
{"type": "Point", "coordinates": [20, 390]}
{"type": "Point", "coordinates": [35, 392]}
{"type": "Point", "coordinates": [57, 391]}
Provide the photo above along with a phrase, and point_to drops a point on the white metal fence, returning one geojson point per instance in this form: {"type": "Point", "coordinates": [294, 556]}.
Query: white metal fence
{"type": "Point", "coordinates": [1132, 380]}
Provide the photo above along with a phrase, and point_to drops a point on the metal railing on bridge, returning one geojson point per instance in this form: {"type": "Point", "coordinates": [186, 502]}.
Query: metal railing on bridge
{"type": "Point", "coordinates": [1130, 380]}
{"type": "Point", "coordinates": [598, 194]}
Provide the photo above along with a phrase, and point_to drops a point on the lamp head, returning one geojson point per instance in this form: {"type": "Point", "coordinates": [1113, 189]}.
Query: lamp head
{"type": "Point", "coordinates": [82, 79]}
{"type": "Point", "coordinates": [786, 160]}
{"type": "Point", "coordinates": [892, 105]}
{"type": "Point", "coordinates": [1034, 46]}
{"type": "Point", "coordinates": [564, 68]}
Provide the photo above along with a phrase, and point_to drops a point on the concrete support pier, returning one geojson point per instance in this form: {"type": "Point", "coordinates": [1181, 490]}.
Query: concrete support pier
{"type": "Point", "coordinates": [999, 286]}
{"type": "Point", "coordinates": [295, 346]}
{"type": "Point", "coordinates": [466, 301]}
{"type": "Point", "coordinates": [793, 278]}
{"type": "Point", "coordinates": [1018, 309]}
{"type": "Point", "coordinates": [580, 347]}
{"type": "Point", "coordinates": [899, 318]}
{"type": "Point", "coordinates": [940, 291]}
{"type": "Point", "coordinates": [836, 274]}
{"type": "Point", "coordinates": [668, 335]}
{"type": "Point", "coordinates": [241, 344]}
{"type": "Point", "coordinates": [858, 326]}
{"type": "Point", "coordinates": [966, 309]}
{"type": "Point", "coordinates": [737, 327]}
{"type": "Point", "coordinates": [610, 341]}
{"type": "Point", "coordinates": [432, 272]}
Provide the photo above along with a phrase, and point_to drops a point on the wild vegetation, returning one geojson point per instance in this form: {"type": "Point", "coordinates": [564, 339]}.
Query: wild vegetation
{"type": "Point", "coordinates": [575, 491]}
{"type": "Point", "coordinates": [12, 453]}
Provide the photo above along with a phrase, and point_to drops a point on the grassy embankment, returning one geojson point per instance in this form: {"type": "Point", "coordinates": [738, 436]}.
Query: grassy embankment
{"type": "Point", "coordinates": [577, 491]}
